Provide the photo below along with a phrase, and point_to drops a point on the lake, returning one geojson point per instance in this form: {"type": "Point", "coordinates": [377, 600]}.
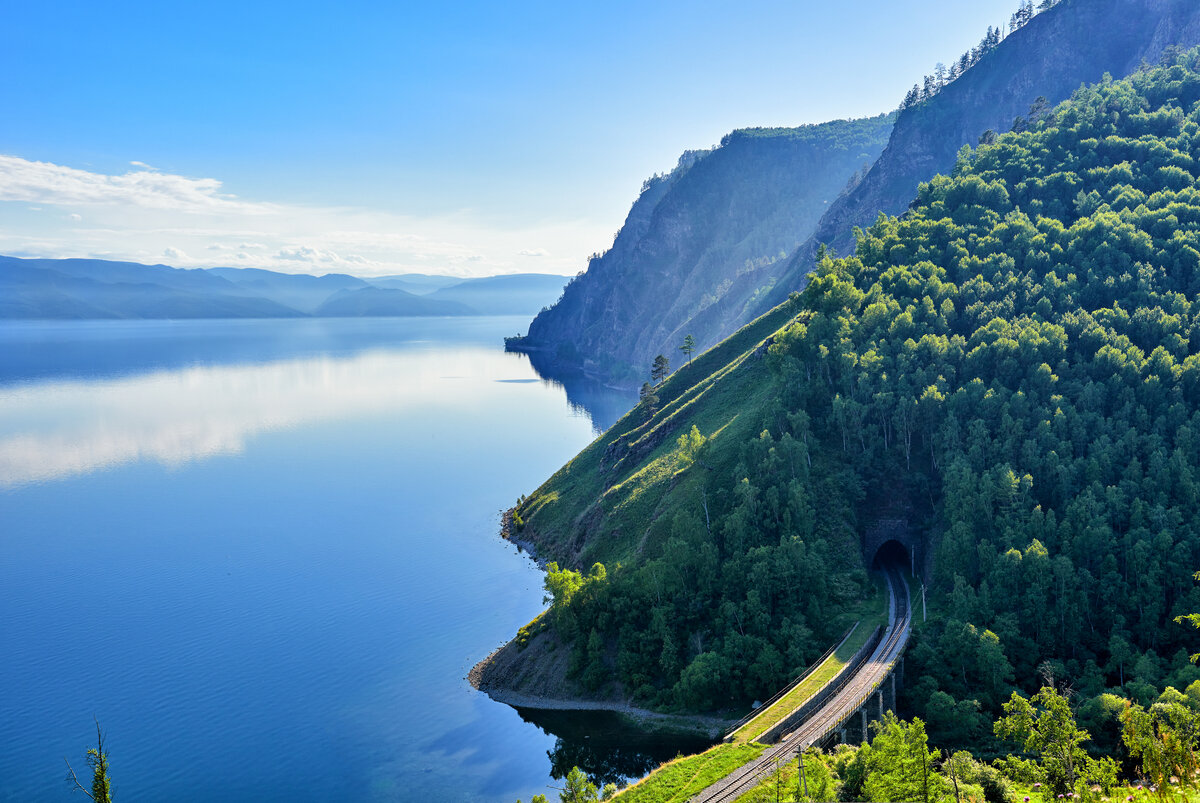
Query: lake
{"type": "Point", "coordinates": [265, 554]}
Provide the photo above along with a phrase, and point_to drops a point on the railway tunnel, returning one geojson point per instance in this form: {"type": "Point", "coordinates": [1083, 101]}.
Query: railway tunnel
{"type": "Point", "coordinates": [892, 553]}
{"type": "Point", "coordinates": [892, 542]}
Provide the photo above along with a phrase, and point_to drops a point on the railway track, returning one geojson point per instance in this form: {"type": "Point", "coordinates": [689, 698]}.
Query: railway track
{"type": "Point", "coordinates": [853, 693]}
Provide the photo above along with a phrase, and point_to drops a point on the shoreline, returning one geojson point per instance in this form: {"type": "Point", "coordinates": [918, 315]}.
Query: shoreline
{"type": "Point", "coordinates": [712, 726]}
{"type": "Point", "coordinates": [645, 718]}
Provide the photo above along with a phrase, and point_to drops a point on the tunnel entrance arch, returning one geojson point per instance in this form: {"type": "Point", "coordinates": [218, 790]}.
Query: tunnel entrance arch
{"type": "Point", "coordinates": [895, 540]}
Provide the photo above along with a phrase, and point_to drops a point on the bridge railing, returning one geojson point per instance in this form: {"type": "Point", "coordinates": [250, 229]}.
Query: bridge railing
{"type": "Point", "coordinates": [827, 692]}
{"type": "Point", "coordinates": [779, 695]}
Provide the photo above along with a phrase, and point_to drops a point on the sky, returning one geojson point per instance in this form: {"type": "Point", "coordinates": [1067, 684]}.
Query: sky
{"type": "Point", "coordinates": [379, 138]}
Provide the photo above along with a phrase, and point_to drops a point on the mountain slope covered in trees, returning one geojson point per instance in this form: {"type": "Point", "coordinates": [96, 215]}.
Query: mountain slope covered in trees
{"type": "Point", "coordinates": [690, 233]}
{"type": "Point", "coordinates": [1013, 367]}
{"type": "Point", "coordinates": [1050, 55]}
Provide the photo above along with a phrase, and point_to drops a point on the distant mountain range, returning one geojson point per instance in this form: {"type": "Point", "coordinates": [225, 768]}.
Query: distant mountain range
{"type": "Point", "coordinates": [96, 288]}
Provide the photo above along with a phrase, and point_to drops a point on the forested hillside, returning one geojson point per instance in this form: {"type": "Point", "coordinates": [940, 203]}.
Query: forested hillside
{"type": "Point", "coordinates": [1014, 366]}
{"type": "Point", "coordinates": [622, 307]}
{"type": "Point", "coordinates": [720, 213]}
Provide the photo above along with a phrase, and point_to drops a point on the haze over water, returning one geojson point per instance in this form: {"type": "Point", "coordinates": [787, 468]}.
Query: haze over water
{"type": "Point", "coordinates": [266, 553]}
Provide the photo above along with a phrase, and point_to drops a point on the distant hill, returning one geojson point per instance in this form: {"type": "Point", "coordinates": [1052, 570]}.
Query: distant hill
{"type": "Point", "coordinates": [418, 284]}
{"type": "Point", "coordinates": [515, 294]}
{"type": "Point", "coordinates": [381, 302]}
{"type": "Point", "coordinates": [97, 288]}
{"type": "Point", "coordinates": [299, 291]}
{"type": "Point", "coordinates": [94, 288]}
{"type": "Point", "coordinates": [691, 233]}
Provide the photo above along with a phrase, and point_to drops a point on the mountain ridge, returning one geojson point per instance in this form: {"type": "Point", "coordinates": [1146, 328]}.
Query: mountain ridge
{"type": "Point", "coordinates": [96, 289]}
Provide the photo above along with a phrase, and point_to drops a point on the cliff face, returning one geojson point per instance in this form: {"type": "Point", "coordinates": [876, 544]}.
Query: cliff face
{"type": "Point", "coordinates": [1073, 43]}
{"type": "Point", "coordinates": [690, 235]}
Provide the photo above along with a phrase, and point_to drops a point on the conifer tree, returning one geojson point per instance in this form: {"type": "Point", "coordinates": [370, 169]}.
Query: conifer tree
{"type": "Point", "coordinates": [689, 345]}
{"type": "Point", "coordinates": [660, 369]}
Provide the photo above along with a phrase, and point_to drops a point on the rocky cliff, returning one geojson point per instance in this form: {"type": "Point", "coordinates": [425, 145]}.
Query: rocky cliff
{"type": "Point", "coordinates": [722, 213]}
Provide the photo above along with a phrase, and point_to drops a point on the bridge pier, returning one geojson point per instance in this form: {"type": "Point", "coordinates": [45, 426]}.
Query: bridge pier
{"type": "Point", "coordinates": [895, 703]}
{"type": "Point", "coordinates": [863, 712]}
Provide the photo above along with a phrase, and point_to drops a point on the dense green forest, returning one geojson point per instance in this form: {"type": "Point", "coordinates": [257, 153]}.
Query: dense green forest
{"type": "Point", "coordinates": [1015, 362]}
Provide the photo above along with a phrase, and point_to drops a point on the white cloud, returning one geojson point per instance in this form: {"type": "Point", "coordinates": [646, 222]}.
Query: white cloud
{"type": "Point", "coordinates": [136, 163]}
{"type": "Point", "coordinates": [141, 214]}
{"type": "Point", "coordinates": [44, 182]}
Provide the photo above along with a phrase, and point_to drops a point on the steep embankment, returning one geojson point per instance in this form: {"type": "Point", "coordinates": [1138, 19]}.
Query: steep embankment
{"type": "Point", "coordinates": [720, 213]}
{"type": "Point", "coordinates": [1013, 368]}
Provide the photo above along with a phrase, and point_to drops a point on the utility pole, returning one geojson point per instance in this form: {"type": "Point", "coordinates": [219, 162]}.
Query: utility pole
{"type": "Point", "coordinates": [922, 602]}
{"type": "Point", "coordinates": [803, 780]}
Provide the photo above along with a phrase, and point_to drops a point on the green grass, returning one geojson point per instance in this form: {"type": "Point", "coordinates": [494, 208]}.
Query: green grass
{"type": "Point", "coordinates": [1176, 794]}
{"type": "Point", "coordinates": [624, 509]}
{"type": "Point", "coordinates": [678, 780]}
{"type": "Point", "coordinates": [873, 613]}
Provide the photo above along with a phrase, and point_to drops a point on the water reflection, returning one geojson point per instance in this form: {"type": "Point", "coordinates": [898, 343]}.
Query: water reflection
{"type": "Point", "coordinates": [50, 430]}
{"type": "Point", "coordinates": [605, 405]}
{"type": "Point", "coordinates": [77, 397]}
{"type": "Point", "coordinates": [606, 746]}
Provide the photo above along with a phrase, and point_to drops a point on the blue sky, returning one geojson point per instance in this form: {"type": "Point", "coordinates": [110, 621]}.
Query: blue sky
{"type": "Point", "coordinates": [396, 137]}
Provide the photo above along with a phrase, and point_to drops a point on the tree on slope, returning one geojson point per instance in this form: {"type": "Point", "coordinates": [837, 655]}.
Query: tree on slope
{"type": "Point", "coordinates": [689, 346]}
{"type": "Point", "coordinates": [899, 763]}
{"type": "Point", "coordinates": [660, 369]}
{"type": "Point", "coordinates": [1045, 724]}
{"type": "Point", "coordinates": [578, 789]}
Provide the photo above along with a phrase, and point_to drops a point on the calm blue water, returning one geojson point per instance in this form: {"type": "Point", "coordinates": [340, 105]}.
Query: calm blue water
{"type": "Point", "coordinates": [264, 554]}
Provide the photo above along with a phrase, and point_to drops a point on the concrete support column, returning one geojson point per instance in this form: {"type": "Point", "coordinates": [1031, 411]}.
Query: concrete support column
{"type": "Point", "coordinates": [879, 696]}
{"type": "Point", "coordinates": [895, 703]}
{"type": "Point", "coordinates": [842, 736]}
{"type": "Point", "coordinates": [863, 711]}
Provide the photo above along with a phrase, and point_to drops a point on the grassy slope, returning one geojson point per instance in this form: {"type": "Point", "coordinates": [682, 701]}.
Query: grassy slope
{"type": "Point", "coordinates": [599, 507]}
{"type": "Point", "coordinates": [678, 780]}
